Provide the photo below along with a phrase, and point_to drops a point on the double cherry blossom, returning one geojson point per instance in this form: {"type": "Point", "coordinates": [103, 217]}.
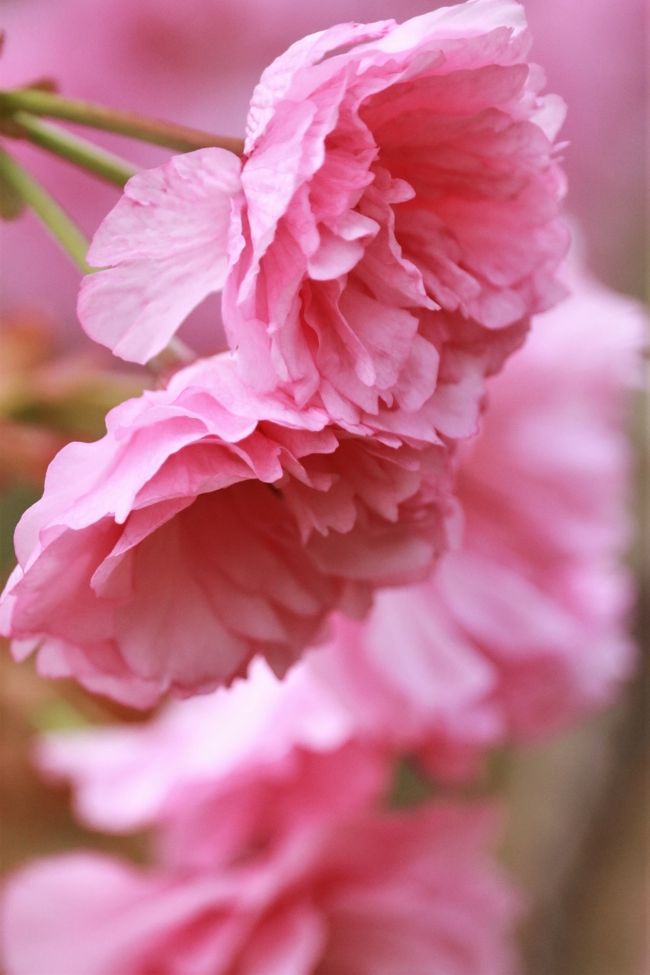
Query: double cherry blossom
{"type": "Point", "coordinates": [263, 859]}
{"type": "Point", "coordinates": [447, 668]}
{"type": "Point", "coordinates": [381, 246]}
{"type": "Point", "coordinates": [398, 193]}
{"type": "Point", "coordinates": [208, 525]}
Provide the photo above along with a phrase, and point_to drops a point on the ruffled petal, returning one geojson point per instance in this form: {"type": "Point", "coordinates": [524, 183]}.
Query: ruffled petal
{"type": "Point", "coordinates": [164, 248]}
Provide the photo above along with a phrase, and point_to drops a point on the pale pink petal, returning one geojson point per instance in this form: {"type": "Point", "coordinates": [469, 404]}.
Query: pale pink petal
{"type": "Point", "coordinates": [95, 934]}
{"type": "Point", "coordinates": [166, 247]}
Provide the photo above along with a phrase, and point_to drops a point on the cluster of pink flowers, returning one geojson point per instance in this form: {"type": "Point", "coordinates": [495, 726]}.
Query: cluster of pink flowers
{"type": "Point", "coordinates": [445, 669]}
{"type": "Point", "coordinates": [306, 530]}
{"type": "Point", "coordinates": [381, 248]}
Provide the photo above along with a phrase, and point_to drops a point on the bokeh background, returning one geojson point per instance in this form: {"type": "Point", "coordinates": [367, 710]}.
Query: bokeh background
{"type": "Point", "coordinates": [578, 803]}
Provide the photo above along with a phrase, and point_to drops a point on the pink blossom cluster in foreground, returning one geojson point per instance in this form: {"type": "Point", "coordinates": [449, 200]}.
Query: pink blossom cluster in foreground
{"type": "Point", "coordinates": [272, 857]}
{"type": "Point", "coordinates": [381, 247]}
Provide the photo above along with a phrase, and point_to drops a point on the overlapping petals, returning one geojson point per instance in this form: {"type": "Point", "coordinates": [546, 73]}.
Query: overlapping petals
{"type": "Point", "coordinates": [267, 524]}
{"type": "Point", "coordinates": [398, 193]}
{"type": "Point", "coordinates": [417, 174]}
{"type": "Point", "coordinates": [215, 758]}
{"type": "Point", "coordinates": [529, 618]}
{"type": "Point", "coordinates": [518, 632]}
{"type": "Point", "coordinates": [366, 894]}
{"type": "Point", "coordinates": [208, 525]}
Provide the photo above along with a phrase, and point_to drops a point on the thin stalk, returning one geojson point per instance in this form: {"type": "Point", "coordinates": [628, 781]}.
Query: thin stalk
{"type": "Point", "coordinates": [59, 224]}
{"type": "Point", "coordinates": [169, 134]}
{"type": "Point", "coordinates": [82, 153]}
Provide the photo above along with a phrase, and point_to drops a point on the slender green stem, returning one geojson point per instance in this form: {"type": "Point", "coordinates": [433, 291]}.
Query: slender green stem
{"type": "Point", "coordinates": [46, 209]}
{"type": "Point", "coordinates": [82, 153]}
{"type": "Point", "coordinates": [169, 134]}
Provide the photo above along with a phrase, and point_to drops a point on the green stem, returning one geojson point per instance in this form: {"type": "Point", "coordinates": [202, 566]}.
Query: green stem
{"type": "Point", "coordinates": [46, 209]}
{"type": "Point", "coordinates": [53, 139]}
{"type": "Point", "coordinates": [169, 134]}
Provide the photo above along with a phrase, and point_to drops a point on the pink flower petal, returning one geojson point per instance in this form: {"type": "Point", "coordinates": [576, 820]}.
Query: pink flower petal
{"type": "Point", "coordinates": [166, 245]}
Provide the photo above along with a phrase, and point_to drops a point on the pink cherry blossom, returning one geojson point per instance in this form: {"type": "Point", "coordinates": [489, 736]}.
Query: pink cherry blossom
{"type": "Point", "coordinates": [399, 193]}
{"type": "Point", "coordinates": [554, 526]}
{"type": "Point", "coordinates": [208, 525]}
{"type": "Point", "coordinates": [366, 894]}
{"type": "Point", "coordinates": [217, 766]}
{"type": "Point", "coordinates": [188, 62]}
{"type": "Point", "coordinates": [531, 613]}
{"type": "Point", "coordinates": [224, 749]}
{"type": "Point", "coordinates": [241, 828]}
